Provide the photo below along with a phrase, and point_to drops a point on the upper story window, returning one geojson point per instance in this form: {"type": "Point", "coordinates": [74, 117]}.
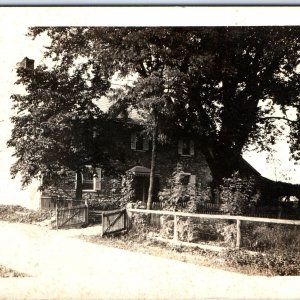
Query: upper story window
{"type": "Point", "coordinates": [91, 179]}
{"type": "Point", "coordinates": [186, 147]}
{"type": "Point", "coordinates": [139, 142]}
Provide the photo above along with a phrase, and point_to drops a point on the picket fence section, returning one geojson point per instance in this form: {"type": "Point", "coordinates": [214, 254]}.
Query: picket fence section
{"type": "Point", "coordinates": [260, 212]}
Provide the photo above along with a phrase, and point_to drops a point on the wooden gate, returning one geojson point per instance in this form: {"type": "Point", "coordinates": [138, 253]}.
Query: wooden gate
{"type": "Point", "coordinates": [71, 216]}
{"type": "Point", "coordinates": [114, 221]}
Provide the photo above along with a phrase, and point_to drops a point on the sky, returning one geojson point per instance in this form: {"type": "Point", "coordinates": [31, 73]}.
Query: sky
{"type": "Point", "coordinates": [15, 45]}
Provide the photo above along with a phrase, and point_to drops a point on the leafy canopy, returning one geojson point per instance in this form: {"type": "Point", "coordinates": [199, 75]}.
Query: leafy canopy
{"type": "Point", "coordinates": [208, 80]}
{"type": "Point", "coordinates": [55, 122]}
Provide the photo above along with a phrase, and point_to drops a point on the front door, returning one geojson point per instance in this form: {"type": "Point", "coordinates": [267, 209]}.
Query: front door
{"type": "Point", "coordinates": [142, 187]}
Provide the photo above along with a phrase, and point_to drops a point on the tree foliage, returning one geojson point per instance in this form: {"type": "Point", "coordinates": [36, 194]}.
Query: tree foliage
{"type": "Point", "coordinates": [55, 123]}
{"type": "Point", "coordinates": [238, 195]}
{"type": "Point", "coordinates": [211, 81]}
{"type": "Point", "coordinates": [179, 196]}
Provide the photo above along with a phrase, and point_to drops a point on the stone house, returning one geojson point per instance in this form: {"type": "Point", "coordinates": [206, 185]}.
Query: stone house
{"type": "Point", "coordinates": [136, 158]}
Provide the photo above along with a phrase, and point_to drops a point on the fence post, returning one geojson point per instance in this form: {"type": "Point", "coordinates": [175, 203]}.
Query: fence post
{"type": "Point", "coordinates": [103, 221]}
{"type": "Point", "coordinates": [175, 237]}
{"type": "Point", "coordinates": [56, 216]}
{"type": "Point", "coordinates": [87, 211]}
{"type": "Point", "coordinates": [238, 233]}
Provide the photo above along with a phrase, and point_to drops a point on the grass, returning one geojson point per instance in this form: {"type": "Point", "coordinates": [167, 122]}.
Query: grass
{"type": "Point", "coordinates": [8, 273]}
{"type": "Point", "coordinates": [200, 257]}
{"type": "Point", "coordinates": [19, 214]}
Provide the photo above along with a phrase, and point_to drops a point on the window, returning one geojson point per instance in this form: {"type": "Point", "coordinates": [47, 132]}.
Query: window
{"type": "Point", "coordinates": [187, 178]}
{"type": "Point", "coordinates": [139, 142]}
{"type": "Point", "coordinates": [91, 178]}
{"type": "Point", "coordinates": [186, 147]}
{"type": "Point", "coordinates": [94, 132]}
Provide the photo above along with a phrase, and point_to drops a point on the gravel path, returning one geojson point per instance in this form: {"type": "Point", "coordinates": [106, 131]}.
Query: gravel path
{"type": "Point", "coordinates": [63, 266]}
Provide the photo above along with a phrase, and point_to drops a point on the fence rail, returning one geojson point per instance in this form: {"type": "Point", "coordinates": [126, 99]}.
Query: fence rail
{"type": "Point", "coordinates": [223, 217]}
{"type": "Point", "coordinates": [238, 219]}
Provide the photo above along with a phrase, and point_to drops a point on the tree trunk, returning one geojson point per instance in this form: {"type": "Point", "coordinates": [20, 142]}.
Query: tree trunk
{"type": "Point", "coordinates": [78, 193]}
{"type": "Point", "coordinates": [222, 163]}
{"type": "Point", "coordinates": [153, 166]}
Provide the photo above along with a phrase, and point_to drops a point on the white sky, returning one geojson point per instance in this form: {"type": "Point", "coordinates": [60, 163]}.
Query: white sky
{"type": "Point", "coordinates": [14, 46]}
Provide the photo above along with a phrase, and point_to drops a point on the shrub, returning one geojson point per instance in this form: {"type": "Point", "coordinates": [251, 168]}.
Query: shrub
{"type": "Point", "coordinates": [167, 226]}
{"type": "Point", "coordinates": [229, 233]}
{"type": "Point", "coordinates": [127, 189]}
{"type": "Point", "coordinates": [100, 204]}
{"type": "Point", "coordinates": [238, 195]}
{"type": "Point", "coordinates": [277, 238]}
{"type": "Point", "coordinates": [178, 196]}
{"type": "Point", "coordinates": [140, 224]}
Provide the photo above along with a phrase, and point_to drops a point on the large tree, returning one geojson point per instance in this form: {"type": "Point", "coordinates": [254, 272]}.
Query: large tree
{"type": "Point", "coordinates": [209, 82]}
{"type": "Point", "coordinates": [55, 124]}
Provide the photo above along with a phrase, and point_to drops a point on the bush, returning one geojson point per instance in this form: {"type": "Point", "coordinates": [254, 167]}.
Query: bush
{"type": "Point", "coordinates": [127, 189]}
{"type": "Point", "coordinates": [277, 238]}
{"type": "Point", "coordinates": [167, 227]}
{"type": "Point", "coordinates": [99, 204]}
{"type": "Point", "coordinates": [228, 231]}
{"type": "Point", "coordinates": [140, 224]}
{"type": "Point", "coordinates": [238, 195]}
{"type": "Point", "coordinates": [179, 196]}
{"type": "Point", "coordinates": [191, 229]}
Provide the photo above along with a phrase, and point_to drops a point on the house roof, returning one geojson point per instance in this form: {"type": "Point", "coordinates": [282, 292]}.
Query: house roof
{"type": "Point", "coordinates": [141, 171]}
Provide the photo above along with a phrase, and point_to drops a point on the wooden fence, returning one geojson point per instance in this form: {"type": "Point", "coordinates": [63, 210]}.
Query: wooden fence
{"type": "Point", "coordinates": [238, 220]}
{"type": "Point", "coordinates": [114, 221]}
{"type": "Point", "coordinates": [71, 216]}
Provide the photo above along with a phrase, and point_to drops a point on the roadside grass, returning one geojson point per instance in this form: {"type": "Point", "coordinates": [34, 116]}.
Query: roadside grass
{"type": "Point", "coordinates": [8, 273]}
{"type": "Point", "coordinates": [20, 214]}
{"type": "Point", "coordinates": [200, 257]}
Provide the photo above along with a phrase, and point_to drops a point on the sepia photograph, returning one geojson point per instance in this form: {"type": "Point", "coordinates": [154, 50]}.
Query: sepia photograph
{"type": "Point", "coordinates": [150, 153]}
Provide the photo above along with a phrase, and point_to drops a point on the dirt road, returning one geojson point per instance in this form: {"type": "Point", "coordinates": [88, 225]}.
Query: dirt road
{"type": "Point", "coordinates": [63, 266]}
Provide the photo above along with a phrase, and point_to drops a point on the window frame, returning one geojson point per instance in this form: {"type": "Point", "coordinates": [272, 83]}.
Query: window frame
{"type": "Point", "coordinates": [192, 178]}
{"type": "Point", "coordinates": [191, 147]}
{"type": "Point", "coordinates": [97, 175]}
{"type": "Point", "coordinates": [145, 141]}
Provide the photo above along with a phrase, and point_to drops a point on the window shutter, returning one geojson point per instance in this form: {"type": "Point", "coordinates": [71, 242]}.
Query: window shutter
{"type": "Point", "coordinates": [133, 140]}
{"type": "Point", "coordinates": [97, 180]}
{"type": "Point", "coordinates": [145, 143]}
{"type": "Point", "coordinates": [193, 179]}
{"type": "Point", "coordinates": [192, 148]}
{"type": "Point", "coordinates": [180, 146]}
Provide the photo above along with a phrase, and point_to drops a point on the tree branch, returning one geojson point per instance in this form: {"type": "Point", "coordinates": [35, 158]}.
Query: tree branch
{"type": "Point", "coordinates": [279, 118]}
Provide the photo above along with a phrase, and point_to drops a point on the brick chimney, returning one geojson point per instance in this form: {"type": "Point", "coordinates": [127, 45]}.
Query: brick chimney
{"type": "Point", "coordinates": [26, 63]}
